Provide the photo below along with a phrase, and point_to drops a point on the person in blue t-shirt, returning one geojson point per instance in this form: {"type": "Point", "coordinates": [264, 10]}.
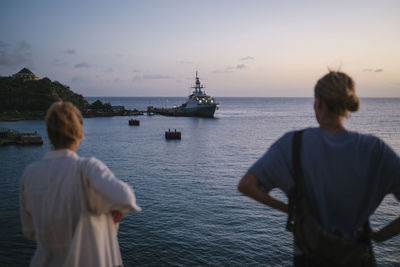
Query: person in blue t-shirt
{"type": "Point", "coordinates": [346, 174]}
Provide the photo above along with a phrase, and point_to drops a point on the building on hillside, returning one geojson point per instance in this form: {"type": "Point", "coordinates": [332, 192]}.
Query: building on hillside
{"type": "Point", "coordinates": [26, 75]}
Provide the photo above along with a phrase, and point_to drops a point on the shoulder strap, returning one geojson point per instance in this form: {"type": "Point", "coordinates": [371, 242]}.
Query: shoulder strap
{"type": "Point", "coordinates": [297, 176]}
{"type": "Point", "coordinates": [296, 159]}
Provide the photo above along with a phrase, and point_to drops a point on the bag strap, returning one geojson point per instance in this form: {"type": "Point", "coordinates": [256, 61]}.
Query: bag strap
{"type": "Point", "coordinates": [296, 159]}
{"type": "Point", "coordinates": [297, 176]}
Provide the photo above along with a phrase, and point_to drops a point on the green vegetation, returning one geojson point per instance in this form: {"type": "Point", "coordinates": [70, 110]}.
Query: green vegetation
{"type": "Point", "coordinates": [31, 99]}
{"type": "Point", "coordinates": [98, 105]}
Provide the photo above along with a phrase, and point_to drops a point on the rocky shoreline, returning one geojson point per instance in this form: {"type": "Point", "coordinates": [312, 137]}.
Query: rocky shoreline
{"type": "Point", "coordinates": [40, 115]}
{"type": "Point", "coordinates": [29, 100]}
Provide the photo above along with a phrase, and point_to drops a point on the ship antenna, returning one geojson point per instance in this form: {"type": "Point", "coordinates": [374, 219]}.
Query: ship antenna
{"type": "Point", "coordinates": [196, 87]}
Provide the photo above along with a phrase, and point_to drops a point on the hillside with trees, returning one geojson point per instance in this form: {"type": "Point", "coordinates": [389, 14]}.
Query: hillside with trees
{"type": "Point", "coordinates": [21, 99]}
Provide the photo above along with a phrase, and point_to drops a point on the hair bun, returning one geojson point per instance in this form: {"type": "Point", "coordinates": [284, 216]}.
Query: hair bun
{"type": "Point", "coordinates": [352, 103]}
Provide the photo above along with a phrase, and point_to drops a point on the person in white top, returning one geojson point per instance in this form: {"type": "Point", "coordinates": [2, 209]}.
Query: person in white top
{"type": "Point", "coordinates": [51, 198]}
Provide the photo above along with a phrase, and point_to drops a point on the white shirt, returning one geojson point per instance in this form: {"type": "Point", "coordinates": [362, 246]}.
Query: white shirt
{"type": "Point", "coordinates": [50, 202]}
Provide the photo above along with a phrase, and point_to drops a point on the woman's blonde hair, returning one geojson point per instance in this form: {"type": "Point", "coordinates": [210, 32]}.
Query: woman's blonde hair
{"type": "Point", "coordinates": [64, 124]}
{"type": "Point", "coordinates": [337, 90]}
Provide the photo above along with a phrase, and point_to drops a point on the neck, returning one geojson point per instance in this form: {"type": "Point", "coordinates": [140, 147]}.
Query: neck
{"type": "Point", "coordinates": [73, 147]}
{"type": "Point", "coordinates": [333, 124]}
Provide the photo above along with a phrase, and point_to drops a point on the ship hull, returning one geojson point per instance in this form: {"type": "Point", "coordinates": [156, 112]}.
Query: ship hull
{"type": "Point", "coordinates": [203, 112]}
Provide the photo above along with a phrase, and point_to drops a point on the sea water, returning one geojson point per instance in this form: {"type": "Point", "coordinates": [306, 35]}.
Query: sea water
{"type": "Point", "coordinates": [192, 213]}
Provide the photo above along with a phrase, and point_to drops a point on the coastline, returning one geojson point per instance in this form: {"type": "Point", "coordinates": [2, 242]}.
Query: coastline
{"type": "Point", "coordinates": [40, 115]}
{"type": "Point", "coordinates": [22, 115]}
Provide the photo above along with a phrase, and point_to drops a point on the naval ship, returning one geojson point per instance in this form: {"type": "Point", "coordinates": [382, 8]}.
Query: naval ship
{"type": "Point", "coordinates": [199, 104]}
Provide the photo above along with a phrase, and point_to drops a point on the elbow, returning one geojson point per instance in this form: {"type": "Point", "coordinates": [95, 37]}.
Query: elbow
{"type": "Point", "coordinates": [242, 187]}
{"type": "Point", "coordinates": [30, 234]}
{"type": "Point", "coordinates": [247, 183]}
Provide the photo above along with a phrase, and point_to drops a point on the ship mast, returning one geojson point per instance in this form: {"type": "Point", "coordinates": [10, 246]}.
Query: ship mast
{"type": "Point", "coordinates": [198, 86]}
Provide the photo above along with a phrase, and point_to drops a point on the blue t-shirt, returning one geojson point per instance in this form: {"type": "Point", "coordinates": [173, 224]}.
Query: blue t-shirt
{"type": "Point", "coordinates": [346, 175]}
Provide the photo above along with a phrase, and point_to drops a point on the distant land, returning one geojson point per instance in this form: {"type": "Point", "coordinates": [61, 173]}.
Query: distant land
{"type": "Point", "coordinates": [23, 96]}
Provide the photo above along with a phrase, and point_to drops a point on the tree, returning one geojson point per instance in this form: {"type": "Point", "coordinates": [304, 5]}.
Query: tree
{"type": "Point", "coordinates": [96, 105]}
{"type": "Point", "coordinates": [107, 107]}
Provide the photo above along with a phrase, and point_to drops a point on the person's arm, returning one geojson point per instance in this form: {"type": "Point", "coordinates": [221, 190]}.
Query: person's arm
{"type": "Point", "coordinates": [250, 186]}
{"type": "Point", "coordinates": [387, 232]}
{"type": "Point", "coordinates": [105, 192]}
{"type": "Point", "coordinates": [26, 218]}
{"type": "Point", "coordinates": [390, 166]}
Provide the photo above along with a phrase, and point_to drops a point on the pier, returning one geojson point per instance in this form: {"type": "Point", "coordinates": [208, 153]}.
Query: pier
{"type": "Point", "coordinates": [10, 137]}
{"type": "Point", "coordinates": [133, 122]}
{"type": "Point", "coordinates": [173, 135]}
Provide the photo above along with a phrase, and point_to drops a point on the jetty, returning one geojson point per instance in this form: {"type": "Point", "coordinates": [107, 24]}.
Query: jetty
{"type": "Point", "coordinates": [134, 122]}
{"type": "Point", "coordinates": [12, 137]}
{"type": "Point", "coordinates": [173, 135]}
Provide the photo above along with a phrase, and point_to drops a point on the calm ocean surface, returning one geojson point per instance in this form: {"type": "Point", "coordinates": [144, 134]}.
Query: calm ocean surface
{"type": "Point", "coordinates": [192, 212]}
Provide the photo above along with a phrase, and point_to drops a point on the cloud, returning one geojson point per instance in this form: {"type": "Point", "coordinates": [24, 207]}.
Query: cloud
{"type": "Point", "coordinates": [155, 77]}
{"type": "Point", "coordinates": [17, 56]}
{"type": "Point", "coordinates": [247, 58]}
{"type": "Point", "coordinates": [135, 71]}
{"type": "Point", "coordinates": [82, 65]}
{"type": "Point", "coordinates": [150, 77]}
{"type": "Point", "coordinates": [69, 51]}
{"type": "Point", "coordinates": [183, 62]}
{"type": "Point", "coordinates": [58, 63]}
{"type": "Point", "coordinates": [119, 55]}
{"type": "Point", "coordinates": [241, 66]}
{"type": "Point", "coordinates": [372, 70]}
{"type": "Point", "coordinates": [110, 69]}
{"type": "Point", "coordinates": [227, 70]}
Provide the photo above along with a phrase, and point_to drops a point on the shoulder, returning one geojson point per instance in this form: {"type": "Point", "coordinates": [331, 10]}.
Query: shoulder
{"type": "Point", "coordinates": [284, 143]}
{"type": "Point", "coordinates": [94, 167]}
{"type": "Point", "coordinates": [31, 169]}
{"type": "Point", "coordinates": [93, 162]}
{"type": "Point", "coordinates": [366, 138]}
{"type": "Point", "coordinates": [281, 149]}
{"type": "Point", "coordinates": [371, 142]}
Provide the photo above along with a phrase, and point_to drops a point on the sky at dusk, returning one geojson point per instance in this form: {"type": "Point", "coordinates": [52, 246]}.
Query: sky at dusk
{"type": "Point", "coordinates": [240, 48]}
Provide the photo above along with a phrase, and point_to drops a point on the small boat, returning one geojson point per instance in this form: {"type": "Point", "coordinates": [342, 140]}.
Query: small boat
{"type": "Point", "coordinates": [199, 104]}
